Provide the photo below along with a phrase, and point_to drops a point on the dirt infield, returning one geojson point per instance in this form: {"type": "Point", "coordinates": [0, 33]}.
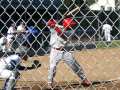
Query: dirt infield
{"type": "Point", "coordinates": [100, 65]}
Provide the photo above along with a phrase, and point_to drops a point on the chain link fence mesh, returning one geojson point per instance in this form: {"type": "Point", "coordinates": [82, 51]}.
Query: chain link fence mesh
{"type": "Point", "coordinates": [98, 56]}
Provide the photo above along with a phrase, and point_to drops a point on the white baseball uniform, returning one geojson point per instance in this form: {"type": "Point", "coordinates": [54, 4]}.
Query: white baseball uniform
{"type": "Point", "coordinates": [107, 32]}
{"type": "Point", "coordinates": [56, 55]}
{"type": "Point", "coordinates": [7, 62]}
{"type": "Point", "coordinates": [10, 34]}
{"type": "Point", "coordinates": [9, 71]}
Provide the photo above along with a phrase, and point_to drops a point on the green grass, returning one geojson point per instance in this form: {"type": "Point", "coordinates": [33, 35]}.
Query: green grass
{"type": "Point", "coordinates": [113, 44]}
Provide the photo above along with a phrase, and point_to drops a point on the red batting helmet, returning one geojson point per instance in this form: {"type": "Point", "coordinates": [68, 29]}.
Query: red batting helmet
{"type": "Point", "coordinates": [51, 23]}
{"type": "Point", "coordinates": [68, 22]}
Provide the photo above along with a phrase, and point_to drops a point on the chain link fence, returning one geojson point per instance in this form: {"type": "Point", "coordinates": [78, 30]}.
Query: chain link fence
{"type": "Point", "coordinates": [96, 52]}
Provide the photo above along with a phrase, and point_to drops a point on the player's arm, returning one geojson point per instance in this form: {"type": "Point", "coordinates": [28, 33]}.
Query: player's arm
{"type": "Point", "coordinates": [16, 32]}
{"type": "Point", "coordinates": [59, 29]}
{"type": "Point", "coordinates": [35, 64]}
{"type": "Point", "coordinates": [21, 67]}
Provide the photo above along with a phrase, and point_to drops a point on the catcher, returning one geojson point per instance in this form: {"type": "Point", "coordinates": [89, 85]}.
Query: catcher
{"type": "Point", "coordinates": [8, 69]}
{"type": "Point", "coordinates": [58, 52]}
{"type": "Point", "coordinates": [10, 66]}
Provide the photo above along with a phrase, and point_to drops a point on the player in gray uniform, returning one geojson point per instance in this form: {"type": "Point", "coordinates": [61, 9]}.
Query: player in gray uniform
{"type": "Point", "coordinates": [9, 64]}
{"type": "Point", "coordinates": [57, 53]}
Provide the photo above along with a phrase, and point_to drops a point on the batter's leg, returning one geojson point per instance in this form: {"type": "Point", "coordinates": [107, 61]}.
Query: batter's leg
{"type": "Point", "coordinates": [76, 68]}
{"type": "Point", "coordinates": [70, 61]}
{"type": "Point", "coordinates": [52, 72]}
{"type": "Point", "coordinates": [54, 60]}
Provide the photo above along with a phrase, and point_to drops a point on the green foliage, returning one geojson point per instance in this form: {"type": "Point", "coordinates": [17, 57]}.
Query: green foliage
{"type": "Point", "coordinates": [103, 44]}
{"type": "Point", "coordinates": [89, 2]}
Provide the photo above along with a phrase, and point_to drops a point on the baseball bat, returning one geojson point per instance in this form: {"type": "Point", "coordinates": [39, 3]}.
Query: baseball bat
{"type": "Point", "coordinates": [72, 11]}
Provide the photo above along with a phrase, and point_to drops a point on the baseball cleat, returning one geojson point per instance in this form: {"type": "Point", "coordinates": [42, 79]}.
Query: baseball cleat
{"type": "Point", "coordinates": [50, 85]}
{"type": "Point", "coordinates": [86, 83]}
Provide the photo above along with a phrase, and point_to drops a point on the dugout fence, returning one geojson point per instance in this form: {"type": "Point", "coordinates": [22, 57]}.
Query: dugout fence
{"type": "Point", "coordinates": [87, 34]}
{"type": "Point", "coordinates": [37, 13]}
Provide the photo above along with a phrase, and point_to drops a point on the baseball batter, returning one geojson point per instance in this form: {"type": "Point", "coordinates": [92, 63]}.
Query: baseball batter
{"type": "Point", "coordinates": [9, 71]}
{"type": "Point", "coordinates": [107, 29]}
{"type": "Point", "coordinates": [58, 52]}
{"type": "Point", "coordinates": [10, 36]}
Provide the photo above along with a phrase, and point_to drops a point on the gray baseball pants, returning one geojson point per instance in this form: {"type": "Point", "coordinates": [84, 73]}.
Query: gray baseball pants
{"type": "Point", "coordinates": [55, 58]}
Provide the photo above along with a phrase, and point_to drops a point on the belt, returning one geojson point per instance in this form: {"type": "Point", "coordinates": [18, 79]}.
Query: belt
{"type": "Point", "coordinates": [61, 49]}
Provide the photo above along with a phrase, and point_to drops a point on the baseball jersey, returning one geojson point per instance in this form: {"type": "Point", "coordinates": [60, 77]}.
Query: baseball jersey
{"type": "Point", "coordinates": [55, 40]}
{"type": "Point", "coordinates": [12, 61]}
{"type": "Point", "coordinates": [107, 28]}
